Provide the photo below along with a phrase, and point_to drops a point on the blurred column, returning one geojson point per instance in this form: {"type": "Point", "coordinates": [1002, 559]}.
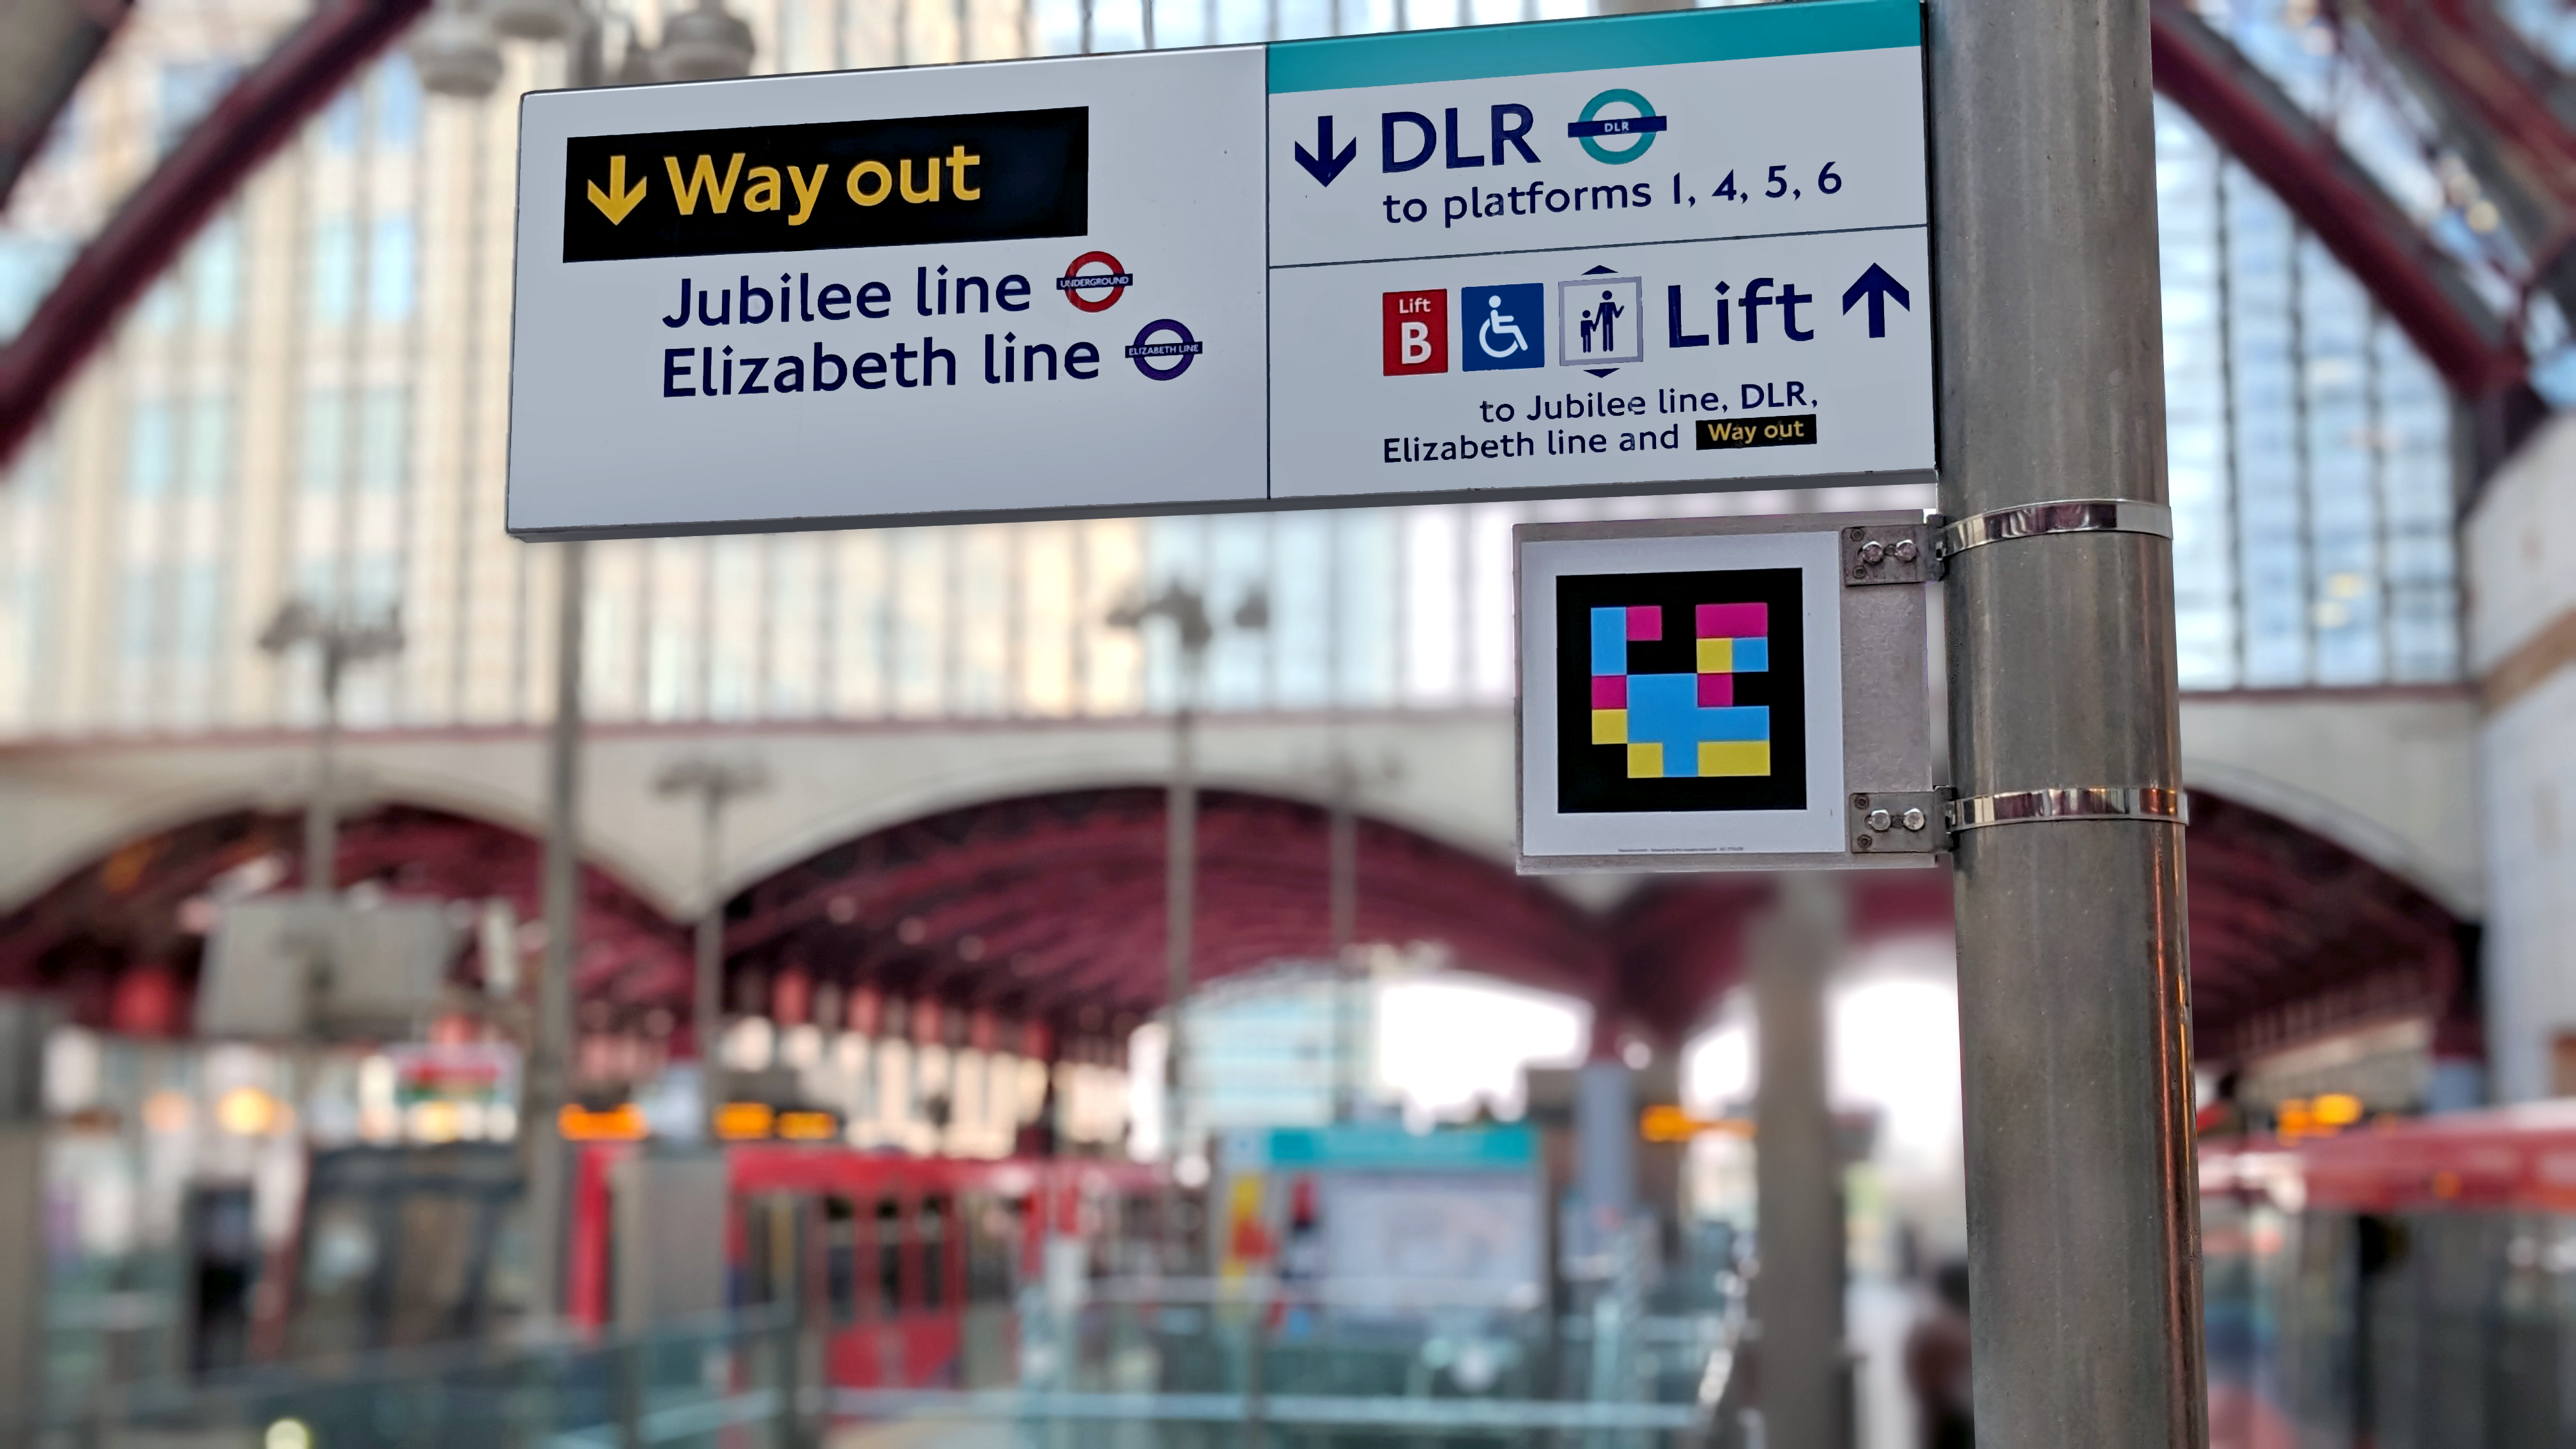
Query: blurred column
{"type": "Point", "coordinates": [1607, 1244]}
{"type": "Point", "coordinates": [1798, 1294]}
{"type": "Point", "coordinates": [24, 1021]}
{"type": "Point", "coordinates": [1605, 1132]}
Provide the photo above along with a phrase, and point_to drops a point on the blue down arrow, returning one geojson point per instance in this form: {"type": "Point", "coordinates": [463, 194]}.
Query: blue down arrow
{"type": "Point", "coordinates": [1321, 163]}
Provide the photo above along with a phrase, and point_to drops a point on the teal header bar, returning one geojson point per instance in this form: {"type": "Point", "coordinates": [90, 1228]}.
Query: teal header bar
{"type": "Point", "coordinates": [1465, 1149]}
{"type": "Point", "coordinates": [1750, 32]}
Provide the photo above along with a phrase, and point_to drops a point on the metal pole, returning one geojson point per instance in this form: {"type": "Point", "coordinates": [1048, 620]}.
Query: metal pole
{"type": "Point", "coordinates": [322, 811]}
{"type": "Point", "coordinates": [1180, 922]}
{"type": "Point", "coordinates": [1344, 889]}
{"type": "Point", "coordinates": [550, 1054]}
{"type": "Point", "coordinates": [1798, 1295]}
{"type": "Point", "coordinates": [2073, 989]}
{"type": "Point", "coordinates": [709, 1003]}
{"type": "Point", "coordinates": [25, 1022]}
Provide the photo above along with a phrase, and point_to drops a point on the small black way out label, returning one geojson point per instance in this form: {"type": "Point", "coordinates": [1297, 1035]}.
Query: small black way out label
{"type": "Point", "coordinates": [1783, 430]}
{"type": "Point", "coordinates": [994, 176]}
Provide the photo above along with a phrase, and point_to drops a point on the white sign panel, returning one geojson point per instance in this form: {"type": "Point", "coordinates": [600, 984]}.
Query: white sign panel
{"type": "Point", "coordinates": [1724, 694]}
{"type": "Point", "coordinates": [837, 297]}
{"type": "Point", "coordinates": [1641, 252]}
{"type": "Point", "coordinates": [1602, 253]}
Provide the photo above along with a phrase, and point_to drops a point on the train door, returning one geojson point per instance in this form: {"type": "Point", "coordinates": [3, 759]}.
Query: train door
{"type": "Point", "coordinates": [864, 1345]}
{"type": "Point", "coordinates": [933, 1317]}
{"type": "Point", "coordinates": [866, 1289]}
{"type": "Point", "coordinates": [223, 1264]}
{"type": "Point", "coordinates": [775, 1253]}
{"type": "Point", "coordinates": [996, 1243]}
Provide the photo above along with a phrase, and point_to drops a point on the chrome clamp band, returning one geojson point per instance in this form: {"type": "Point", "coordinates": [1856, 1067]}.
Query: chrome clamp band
{"type": "Point", "coordinates": [2081, 802]}
{"type": "Point", "coordinates": [2065, 515]}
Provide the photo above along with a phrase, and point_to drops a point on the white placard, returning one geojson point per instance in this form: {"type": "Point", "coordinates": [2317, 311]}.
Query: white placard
{"type": "Point", "coordinates": [611, 430]}
{"type": "Point", "coordinates": [1641, 809]}
{"type": "Point", "coordinates": [1621, 254]}
{"type": "Point", "coordinates": [1478, 298]}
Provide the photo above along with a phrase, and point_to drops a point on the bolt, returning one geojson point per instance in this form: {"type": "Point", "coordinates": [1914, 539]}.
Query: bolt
{"type": "Point", "coordinates": [1860, 802]}
{"type": "Point", "coordinates": [1914, 819]}
{"type": "Point", "coordinates": [1872, 551]}
{"type": "Point", "coordinates": [1864, 842]}
{"type": "Point", "coordinates": [1905, 550]}
{"type": "Point", "coordinates": [1880, 820]}
{"type": "Point", "coordinates": [1860, 571]}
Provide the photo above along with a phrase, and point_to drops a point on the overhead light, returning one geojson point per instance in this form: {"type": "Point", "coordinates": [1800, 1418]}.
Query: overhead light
{"type": "Point", "coordinates": [532, 19]}
{"type": "Point", "coordinates": [707, 43]}
{"type": "Point", "coordinates": [744, 1121]}
{"type": "Point", "coordinates": [621, 1123]}
{"type": "Point", "coordinates": [246, 1112]}
{"type": "Point", "coordinates": [808, 1126]}
{"type": "Point", "coordinates": [456, 52]}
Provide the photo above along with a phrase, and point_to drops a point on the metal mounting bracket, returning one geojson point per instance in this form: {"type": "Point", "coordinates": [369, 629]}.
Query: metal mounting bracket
{"type": "Point", "coordinates": [1892, 553]}
{"type": "Point", "coordinates": [2072, 802]}
{"type": "Point", "coordinates": [2064, 515]}
{"type": "Point", "coordinates": [1898, 822]}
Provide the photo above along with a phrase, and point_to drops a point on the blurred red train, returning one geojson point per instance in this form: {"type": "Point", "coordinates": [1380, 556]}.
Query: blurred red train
{"type": "Point", "coordinates": [2399, 1285]}
{"type": "Point", "coordinates": [909, 1266]}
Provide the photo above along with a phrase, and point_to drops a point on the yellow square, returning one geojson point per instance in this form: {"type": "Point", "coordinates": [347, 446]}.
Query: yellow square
{"type": "Point", "coordinates": [1609, 727]}
{"type": "Point", "coordinates": [1734, 757]}
{"type": "Point", "coordinates": [1645, 762]}
{"type": "Point", "coordinates": [1717, 656]}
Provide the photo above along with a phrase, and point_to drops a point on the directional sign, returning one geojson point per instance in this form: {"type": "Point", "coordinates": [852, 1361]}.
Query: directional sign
{"type": "Point", "coordinates": [1725, 694]}
{"type": "Point", "coordinates": [1646, 249]}
{"type": "Point", "coordinates": [987, 290]}
{"type": "Point", "coordinates": [1631, 253]}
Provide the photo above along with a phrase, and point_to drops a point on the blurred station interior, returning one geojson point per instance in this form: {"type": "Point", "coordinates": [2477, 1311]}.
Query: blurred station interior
{"type": "Point", "coordinates": [1445, 1151]}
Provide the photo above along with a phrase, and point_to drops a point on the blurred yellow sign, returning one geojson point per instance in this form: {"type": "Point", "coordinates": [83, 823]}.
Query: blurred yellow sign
{"type": "Point", "coordinates": [1666, 1123]}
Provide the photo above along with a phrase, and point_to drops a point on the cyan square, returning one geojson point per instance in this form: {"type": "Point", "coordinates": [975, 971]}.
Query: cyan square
{"type": "Point", "coordinates": [1742, 722]}
{"type": "Point", "coordinates": [1752, 656]}
{"type": "Point", "coordinates": [1660, 707]}
{"type": "Point", "coordinates": [1610, 641]}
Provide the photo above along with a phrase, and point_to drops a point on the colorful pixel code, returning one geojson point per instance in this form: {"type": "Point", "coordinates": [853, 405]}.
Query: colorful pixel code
{"type": "Point", "coordinates": [1683, 725]}
{"type": "Point", "coordinates": [1682, 691]}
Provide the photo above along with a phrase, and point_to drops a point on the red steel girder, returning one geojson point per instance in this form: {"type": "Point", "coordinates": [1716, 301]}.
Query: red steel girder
{"type": "Point", "coordinates": [207, 165]}
{"type": "Point", "coordinates": [2193, 65]}
{"type": "Point", "coordinates": [2421, 289]}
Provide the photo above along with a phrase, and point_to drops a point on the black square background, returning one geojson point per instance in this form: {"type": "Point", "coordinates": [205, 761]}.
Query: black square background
{"type": "Point", "coordinates": [1593, 779]}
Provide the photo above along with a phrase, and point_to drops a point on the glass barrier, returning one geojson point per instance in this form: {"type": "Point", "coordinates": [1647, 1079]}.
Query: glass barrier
{"type": "Point", "coordinates": [1151, 1363]}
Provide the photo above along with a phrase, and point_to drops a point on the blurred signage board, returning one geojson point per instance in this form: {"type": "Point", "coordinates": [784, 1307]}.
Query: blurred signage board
{"type": "Point", "coordinates": [1623, 254]}
{"type": "Point", "coordinates": [1726, 694]}
{"type": "Point", "coordinates": [1364, 1145]}
{"type": "Point", "coordinates": [1373, 1221]}
{"type": "Point", "coordinates": [285, 966]}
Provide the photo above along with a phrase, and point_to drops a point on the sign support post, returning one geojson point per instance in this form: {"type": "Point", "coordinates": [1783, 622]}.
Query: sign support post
{"type": "Point", "coordinates": [2073, 989]}
{"type": "Point", "coordinates": [1798, 1296]}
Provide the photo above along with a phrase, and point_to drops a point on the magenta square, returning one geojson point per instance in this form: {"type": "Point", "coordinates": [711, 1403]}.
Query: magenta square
{"type": "Point", "coordinates": [1645, 621]}
{"type": "Point", "coordinates": [1716, 691]}
{"type": "Point", "coordinates": [1726, 621]}
{"type": "Point", "coordinates": [1609, 691]}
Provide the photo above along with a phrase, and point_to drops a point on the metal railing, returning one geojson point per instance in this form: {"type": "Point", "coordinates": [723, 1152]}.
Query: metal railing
{"type": "Point", "coordinates": [1124, 1364]}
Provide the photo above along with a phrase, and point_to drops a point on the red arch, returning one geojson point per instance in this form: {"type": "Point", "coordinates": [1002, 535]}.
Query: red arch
{"type": "Point", "coordinates": [130, 911]}
{"type": "Point", "coordinates": [1051, 908]}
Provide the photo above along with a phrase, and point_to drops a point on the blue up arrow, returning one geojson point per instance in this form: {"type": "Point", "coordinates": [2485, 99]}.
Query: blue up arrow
{"type": "Point", "coordinates": [1878, 287]}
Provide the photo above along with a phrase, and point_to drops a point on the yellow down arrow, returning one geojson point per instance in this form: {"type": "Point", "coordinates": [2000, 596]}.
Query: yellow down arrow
{"type": "Point", "coordinates": [616, 201]}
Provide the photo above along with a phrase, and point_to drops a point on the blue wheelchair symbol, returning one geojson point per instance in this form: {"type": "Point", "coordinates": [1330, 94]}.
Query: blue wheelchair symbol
{"type": "Point", "coordinates": [1505, 327]}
